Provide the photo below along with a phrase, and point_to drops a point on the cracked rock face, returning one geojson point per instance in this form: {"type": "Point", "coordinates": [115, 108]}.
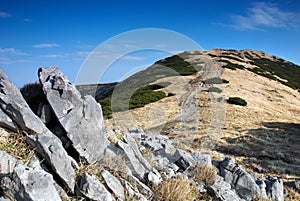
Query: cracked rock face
{"type": "Point", "coordinates": [81, 118]}
{"type": "Point", "coordinates": [26, 183]}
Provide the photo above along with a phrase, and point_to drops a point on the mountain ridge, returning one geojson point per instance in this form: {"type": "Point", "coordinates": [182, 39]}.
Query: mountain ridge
{"type": "Point", "coordinates": [267, 83]}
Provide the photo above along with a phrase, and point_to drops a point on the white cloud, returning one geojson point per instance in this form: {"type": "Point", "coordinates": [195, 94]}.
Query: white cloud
{"type": "Point", "coordinates": [11, 51]}
{"type": "Point", "coordinates": [132, 58]}
{"type": "Point", "coordinates": [27, 20]}
{"type": "Point", "coordinates": [8, 50]}
{"type": "Point", "coordinates": [4, 15]}
{"type": "Point", "coordinates": [46, 45]}
{"type": "Point", "coordinates": [53, 56]}
{"type": "Point", "coordinates": [263, 14]}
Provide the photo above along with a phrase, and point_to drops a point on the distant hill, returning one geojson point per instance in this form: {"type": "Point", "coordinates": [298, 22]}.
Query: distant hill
{"type": "Point", "coordinates": [242, 103]}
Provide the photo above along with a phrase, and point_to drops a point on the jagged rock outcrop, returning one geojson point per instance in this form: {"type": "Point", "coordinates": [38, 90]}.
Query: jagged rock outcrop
{"type": "Point", "coordinates": [18, 181]}
{"type": "Point", "coordinates": [80, 125]}
{"type": "Point", "coordinates": [91, 188]}
{"type": "Point", "coordinates": [81, 118]}
{"type": "Point", "coordinates": [40, 137]}
{"type": "Point", "coordinates": [6, 122]}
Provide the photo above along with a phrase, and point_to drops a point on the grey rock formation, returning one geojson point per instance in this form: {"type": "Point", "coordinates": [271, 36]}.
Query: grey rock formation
{"type": "Point", "coordinates": [52, 151]}
{"type": "Point", "coordinates": [140, 167]}
{"type": "Point", "coordinates": [90, 187]}
{"type": "Point", "coordinates": [7, 163]}
{"type": "Point", "coordinates": [14, 105]}
{"type": "Point", "coordinates": [223, 191]}
{"type": "Point", "coordinates": [6, 122]}
{"type": "Point", "coordinates": [30, 184]}
{"type": "Point", "coordinates": [113, 184]}
{"type": "Point", "coordinates": [201, 158]}
{"type": "Point", "coordinates": [243, 182]}
{"type": "Point", "coordinates": [46, 143]}
{"type": "Point", "coordinates": [183, 159]}
{"type": "Point", "coordinates": [274, 188]}
{"type": "Point", "coordinates": [132, 193]}
{"type": "Point", "coordinates": [81, 118]}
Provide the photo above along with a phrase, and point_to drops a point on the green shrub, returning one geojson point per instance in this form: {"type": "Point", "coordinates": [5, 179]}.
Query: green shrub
{"type": "Point", "coordinates": [285, 70]}
{"type": "Point", "coordinates": [171, 94]}
{"type": "Point", "coordinates": [215, 80]}
{"type": "Point", "coordinates": [178, 64]}
{"type": "Point", "coordinates": [214, 89]}
{"type": "Point", "coordinates": [139, 98]}
{"type": "Point", "coordinates": [237, 101]}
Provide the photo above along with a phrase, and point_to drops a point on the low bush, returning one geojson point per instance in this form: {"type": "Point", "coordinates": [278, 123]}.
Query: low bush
{"type": "Point", "coordinates": [237, 101]}
{"type": "Point", "coordinates": [214, 89]}
{"type": "Point", "coordinates": [216, 80]}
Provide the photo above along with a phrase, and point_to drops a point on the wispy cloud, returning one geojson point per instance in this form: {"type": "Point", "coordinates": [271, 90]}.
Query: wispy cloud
{"type": "Point", "coordinates": [53, 56]}
{"type": "Point", "coordinates": [11, 51]}
{"type": "Point", "coordinates": [132, 58]}
{"type": "Point", "coordinates": [4, 15]}
{"type": "Point", "coordinates": [262, 15]}
{"type": "Point", "coordinates": [27, 20]}
{"type": "Point", "coordinates": [46, 45]}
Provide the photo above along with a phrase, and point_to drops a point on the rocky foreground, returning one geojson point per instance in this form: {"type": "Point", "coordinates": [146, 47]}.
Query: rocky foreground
{"type": "Point", "coordinates": [77, 159]}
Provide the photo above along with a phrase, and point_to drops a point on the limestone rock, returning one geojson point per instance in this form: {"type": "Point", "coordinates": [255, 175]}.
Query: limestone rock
{"type": "Point", "coordinates": [7, 163]}
{"type": "Point", "coordinates": [114, 184]}
{"type": "Point", "coordinates": [46, 143]}
{"type": "Point", "coordinates": [30, 184]}
{"type": "Point", "coordinates": [274, 188]}
{"type": "Point", "coordinates": [243, 183]}
{"type": "Point", "coordinates": [81, 118]}
{"type": "Point", "coordinates": [14, 105]}
{"type": "Point", "coordinates": [132, 193]}
{"type": "Point", "coordinates": [90, 187]}
{"type": "Point", "coordinates": [51, 149]}
{"type": "Point", "coordinates": [6, 121]}
{"type": "Point", "coordinates": [222, 191]}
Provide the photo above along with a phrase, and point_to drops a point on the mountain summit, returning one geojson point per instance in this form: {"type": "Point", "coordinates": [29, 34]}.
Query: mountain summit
{"type": "Point", "coordinates": [241, 103]}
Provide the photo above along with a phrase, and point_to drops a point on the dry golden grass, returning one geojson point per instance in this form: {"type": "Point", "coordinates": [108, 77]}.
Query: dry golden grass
{"type": "Point", "coordinates": [205, 174]}
{"type": "Point", "coordinates": [177, 189]}
{"type": "Point", "coordinates": [293, 194]}
{"type": "Point", "coordinates": [115, 165]}
{"type": "Point", "coordinates": [15, 145]}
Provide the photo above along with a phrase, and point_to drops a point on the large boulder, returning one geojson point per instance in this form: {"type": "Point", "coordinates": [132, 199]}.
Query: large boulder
{"type": "Point", "coordinates": [26, 183]}
{"type": "Point", "coordinates": [90, 187]}
{"type": "Point", "coordinates": [244, 183]}
{"type": "Point", "coordinates": [51, 150]}
{"type": "Point", "coordinates": [46, 144]}
{"type": "Point", "coordinates": [222, 191]}
{"type": "Point", "coordinates": [81, 118]}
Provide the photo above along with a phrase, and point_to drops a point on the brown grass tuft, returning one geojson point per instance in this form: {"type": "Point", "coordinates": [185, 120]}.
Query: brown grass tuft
{"type": "Point", "coordinates": [205, 174]}
{"type": "Point", "coordinates": [15, 145]}
{"type": "Point", "coordinates": [177, 189]}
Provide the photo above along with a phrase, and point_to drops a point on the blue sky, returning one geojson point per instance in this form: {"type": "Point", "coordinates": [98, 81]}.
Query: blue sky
{"type": "Point", "coordinates": [63, 33]}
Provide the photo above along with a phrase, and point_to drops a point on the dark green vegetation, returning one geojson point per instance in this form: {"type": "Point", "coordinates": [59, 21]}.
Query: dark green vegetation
{"type": "Point", "coordinates": [230, 65]}
{"type": "Point", "coordinates": [137, 90]}
{"type": "Point", "coordinates": [214, 89]}
{"type": "Point", "coordinates": [278, 67]}
{"type": "Point", "coordinates": [178, 64]}
{"type": "Point", "coordinates": [237, 101]}
{"type": "Point", "coordinates": [216, 80]}
{"type": "Point", "coordinates": [123, 102]}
